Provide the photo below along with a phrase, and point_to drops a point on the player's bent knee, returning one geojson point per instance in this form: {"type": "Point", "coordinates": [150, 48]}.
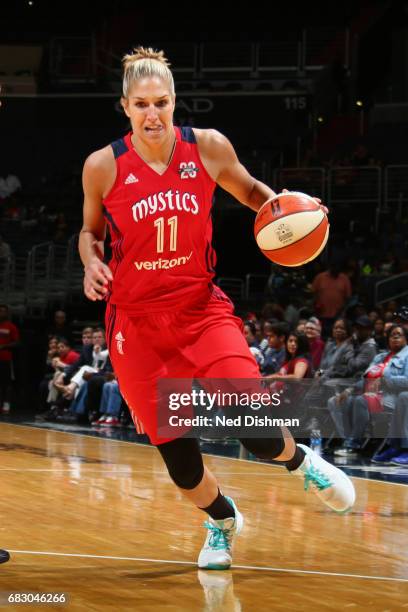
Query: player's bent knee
{"type": "Point", "coordinates": [264, 448]}
{"type": "Point", "coordinates": [183, 461]}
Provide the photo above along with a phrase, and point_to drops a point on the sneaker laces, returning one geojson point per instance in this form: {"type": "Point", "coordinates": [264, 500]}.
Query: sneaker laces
{"type": "Point", "coordinates": [219, 538]}
{"type": "Point", "coordinates": [316, 478]}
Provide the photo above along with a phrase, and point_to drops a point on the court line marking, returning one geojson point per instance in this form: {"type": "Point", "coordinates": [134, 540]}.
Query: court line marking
{"type": "Point", "coordinates": [244, 567]}
{"type": "Point", "coordinates": [140, 445]}
{"type": "Point", "coordinates": [129, 472]}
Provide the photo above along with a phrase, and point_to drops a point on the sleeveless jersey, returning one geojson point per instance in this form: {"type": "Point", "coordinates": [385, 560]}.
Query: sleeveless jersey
{"type": "Point", "coordinates": [161, 228]}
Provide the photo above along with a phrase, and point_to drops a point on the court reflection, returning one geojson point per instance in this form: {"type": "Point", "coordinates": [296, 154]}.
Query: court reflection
{"type": "Point", "coordinates": [218, 590]}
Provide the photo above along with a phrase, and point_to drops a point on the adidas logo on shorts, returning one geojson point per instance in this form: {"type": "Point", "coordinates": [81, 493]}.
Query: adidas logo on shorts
{"type": "Point", "coordinates": [131, 179]}
{"type": "Point", "coordinates": [119, 343]}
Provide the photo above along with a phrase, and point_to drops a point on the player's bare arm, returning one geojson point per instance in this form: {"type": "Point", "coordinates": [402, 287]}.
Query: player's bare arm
{"type": "Point", "coordinates": [97, 178]}
{"type": "Point", "coordinates": [223, 165]}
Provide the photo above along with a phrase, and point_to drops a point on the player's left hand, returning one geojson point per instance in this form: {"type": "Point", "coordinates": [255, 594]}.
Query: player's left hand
{"type": "Point", "coordinates": [317, 200]}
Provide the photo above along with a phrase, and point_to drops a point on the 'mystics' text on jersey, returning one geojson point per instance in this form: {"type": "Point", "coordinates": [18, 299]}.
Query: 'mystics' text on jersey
{"type": "Point", "coordinates": [161, 228]}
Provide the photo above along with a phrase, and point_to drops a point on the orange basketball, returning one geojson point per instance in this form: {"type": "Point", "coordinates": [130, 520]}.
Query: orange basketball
{"type": "Point", "coordinates": [291, 229]}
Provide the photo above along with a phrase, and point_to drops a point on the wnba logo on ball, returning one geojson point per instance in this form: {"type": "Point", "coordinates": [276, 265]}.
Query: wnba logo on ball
{"type": "Point", "coordinates": [276, 209]}
{"type": "Point", "coordinates": [284, 233]}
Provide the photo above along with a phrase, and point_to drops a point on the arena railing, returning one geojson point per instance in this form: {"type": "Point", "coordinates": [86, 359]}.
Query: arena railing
{"type": "Point", "coordinates": [356, 185]}
{"type": "Point", "coordinates": [391, 288]}
{"type": "Point", "coordinates": [308, 180]}
{"type": "Point", "coordinates": [38, 275]}
{"type": "Point", "coordinates": [227, 57]}
{"type": "Point", "coordinates": [278, 56]}
{"type": "Point", "coordinates": [255, 285]}
{"type": "Point", "coordinates": [233, 287]}
{"type": "Point", "coordinates": [73, 59]}
{"type": "Point", "coordinates": [396, 188]}
{"type": "Point", "coordinates": [184, 57]}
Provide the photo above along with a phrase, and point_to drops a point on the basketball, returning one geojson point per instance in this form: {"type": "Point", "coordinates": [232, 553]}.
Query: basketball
{"type": "Point", "coordinates": [291, 229]}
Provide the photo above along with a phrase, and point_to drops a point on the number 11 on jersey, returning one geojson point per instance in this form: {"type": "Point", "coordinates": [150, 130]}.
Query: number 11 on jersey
{"type": "Point", "coordinates": [159, 223]}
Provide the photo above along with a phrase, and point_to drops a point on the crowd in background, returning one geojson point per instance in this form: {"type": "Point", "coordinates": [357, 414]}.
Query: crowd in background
{"type": "Point", "coordinates": [355, 358]}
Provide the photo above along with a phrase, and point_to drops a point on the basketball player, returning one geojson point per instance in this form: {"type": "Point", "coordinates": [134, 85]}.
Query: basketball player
{"type": "Point", "coordinates": [165, 317]}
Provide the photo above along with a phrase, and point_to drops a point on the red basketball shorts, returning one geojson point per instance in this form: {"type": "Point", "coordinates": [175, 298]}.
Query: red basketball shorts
{"type": "Point", "coordinates": [203, 340]}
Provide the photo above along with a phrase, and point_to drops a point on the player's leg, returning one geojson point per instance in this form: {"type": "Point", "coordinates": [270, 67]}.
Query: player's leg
{"type": "Point", "coordinates": [137, 379]}
{"type": "Point", "coordinates": [197, 483]}
{"type": "Point", "coordinates": [139, 363]}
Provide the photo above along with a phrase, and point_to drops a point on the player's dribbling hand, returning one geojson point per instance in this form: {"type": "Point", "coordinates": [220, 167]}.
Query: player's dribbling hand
{"type": "Point", "coordinates": [96, 280]}
{"type": "Point", "coordinates": [318, 200]}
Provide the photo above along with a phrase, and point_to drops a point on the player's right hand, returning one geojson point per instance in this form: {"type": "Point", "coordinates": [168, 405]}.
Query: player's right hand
{"type": "Point", "coordinates": [96, 280]}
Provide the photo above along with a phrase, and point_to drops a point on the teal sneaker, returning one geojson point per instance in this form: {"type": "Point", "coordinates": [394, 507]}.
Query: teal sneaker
{"type": "Point", "coordinates": [330, 484]}
{"type": "Point", "coordinates": [216, 554]}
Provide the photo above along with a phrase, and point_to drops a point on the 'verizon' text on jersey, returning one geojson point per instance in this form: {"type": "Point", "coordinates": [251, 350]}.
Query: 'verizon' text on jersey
{"type": "Point", "coordinates": [161, 228]}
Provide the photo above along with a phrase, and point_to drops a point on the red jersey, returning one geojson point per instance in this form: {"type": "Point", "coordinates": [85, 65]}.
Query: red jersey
{"type": "Point", "coordinates": [161, 228]}
{"type": "Point", "coordinates": [70, 358]}
{"type": "Point", "coordinates": [8, 333]}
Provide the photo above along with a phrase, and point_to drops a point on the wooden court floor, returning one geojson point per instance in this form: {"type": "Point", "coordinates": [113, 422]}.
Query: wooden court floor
{"type": "Point", "coordinates": [99, 520]}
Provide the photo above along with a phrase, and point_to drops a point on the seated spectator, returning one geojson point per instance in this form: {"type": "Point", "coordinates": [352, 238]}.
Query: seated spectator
{"type": "Point", "coordinates": [86, 356]}
{"type": "Point", "coordinates": [313, 331]}
{"type": "Point", "coordinates": [87, 378]}
{"type": "Point", "coordinates": [52, 351]}
{"type": "Point", "coordinates": [86, 336]}
{"type": "Point", "coordinates": [300, 327]}
{"type": "Point", "coordinates": [364, 346]}
{"type": "Point", "coordinates": [258, 332]}
{"type": "Point", "coordinates": [66, 356]}
{"type": "Point", "coordinates": [111, 405]}
{"type": "Point", "coordinates": [337, 352]}
{"type": "Point", "coordinates": [83, 373]}
{"type": "Point", "coordinates": [333, 366]}
{"type": "Point", "coordinates": [385, 377]}
{"type": "Point", "coordinates": [250, 337]}
{"type": "Point", "coordinates": [275, 354]}
{"type": "Point", "coordinates": [250, 334]}
{"type": "Point", "coordinates": [297, 366]}
{"type": "Point", "coordinates": [364, 351]}
{"type": "Point", "coordinates": [86, 404]}
{"type": "Point", "coordinates": [266, 332]}
{"type": "Point", "coordinates": [379, 335]}
{"type": "Point", "coordinates": [297, 362]}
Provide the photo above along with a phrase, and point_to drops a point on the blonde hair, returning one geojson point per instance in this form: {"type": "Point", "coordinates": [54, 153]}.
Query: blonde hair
{"type": "Point", "coordinates": [145, 62]}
